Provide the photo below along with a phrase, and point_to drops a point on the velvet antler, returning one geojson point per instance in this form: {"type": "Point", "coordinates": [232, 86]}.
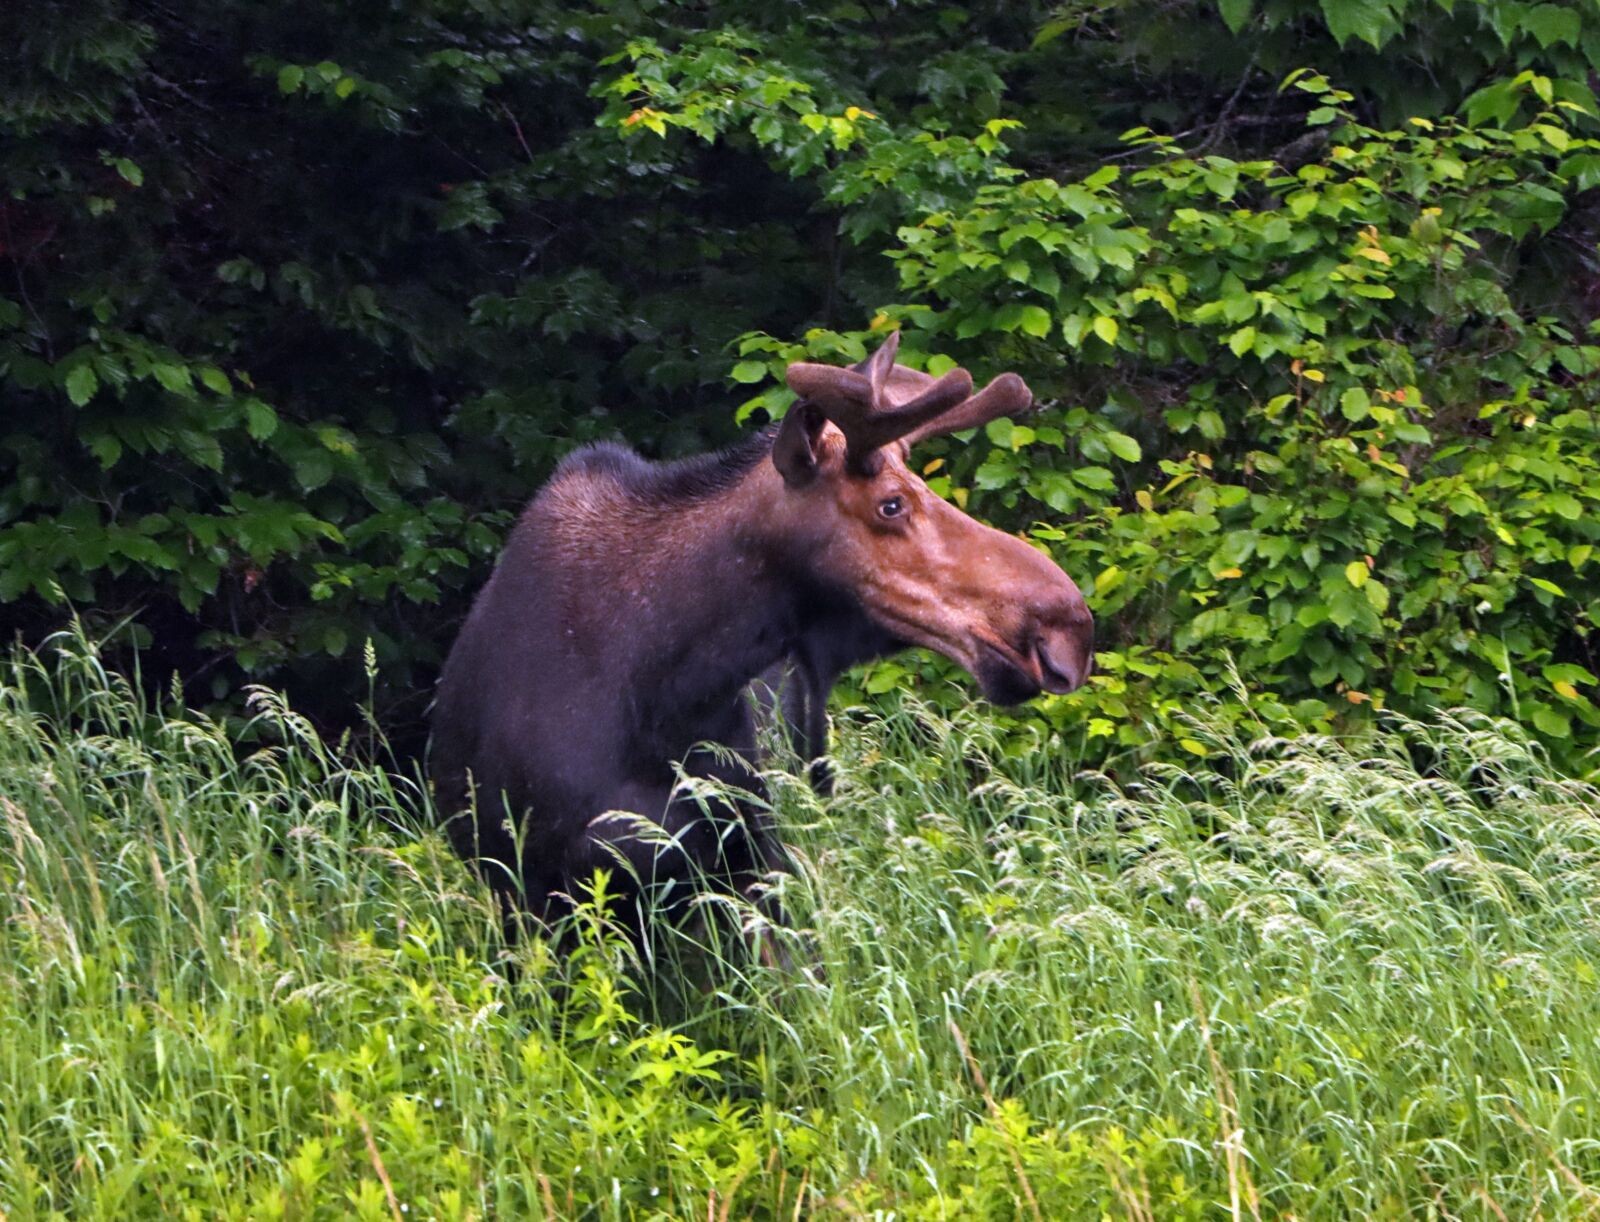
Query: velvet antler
{"type": "Point", "coordinates": [878, 402]}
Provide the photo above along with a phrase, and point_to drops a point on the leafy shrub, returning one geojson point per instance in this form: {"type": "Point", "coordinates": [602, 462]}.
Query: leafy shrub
{"type": "Point", "coordinates": [1319, 437]}
{"type": "Point", "coordinates": [297, 311]}
{"type": "Point", "coordinates": [1304, 426]}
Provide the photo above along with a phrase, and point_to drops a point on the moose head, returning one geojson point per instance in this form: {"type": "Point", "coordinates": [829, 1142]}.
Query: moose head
{"type": "Point", "coordinates": [918, 567]}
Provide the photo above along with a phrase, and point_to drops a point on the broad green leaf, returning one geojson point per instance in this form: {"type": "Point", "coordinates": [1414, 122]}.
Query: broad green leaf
{"type": "Point", "coordinates": [1401, 513]}
{"type": "Point", "coordinates": [885, 677]}
{"type": "Point", "coordinates": [1552, 23]}
{"type": "Point", "coordinates": [1356, 573]}
{"type": "Point", "coordinates": [81, 384]}
{"type": "Point", "coordinates": [1369, 20]}
{"type": "Point", "coordinates": [1354, 404]}
{"type": "Point", "coordinates": [1106, 328]}
{"type": "Point", "coordinates": [1551, 722]}
{"type": "Point", "coordinates": [1568, 672]}
{"type": "Point", "coordinates": [214, 379]}
{"type": "Point", "coordinates": [1035, 321]}
{"type": "Point", "coordinates": [1097, 478]}
{"type": "Point", "coordinates": [749, 371]}
{"type": "Point", "coordinates": [290, 77]}
{"type": "Point", "coordinates": [1235, 13]}
{"type": "Point", "coordinates": [1123, 446]}
{"type": "Point", "coordinates": [107, 449]}
{"type": "Point", "coordinates": [313, 469]}
{"type": "Point", "coordinates": [174, 377]}
{"type": "Point", "coordinates": [260, 420]}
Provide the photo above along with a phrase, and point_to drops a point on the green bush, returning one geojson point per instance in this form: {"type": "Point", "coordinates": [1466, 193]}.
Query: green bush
{"type": "Point", "coordinates": [297, 311]}
{"type": "Point", "coordinates": [1303, 422]}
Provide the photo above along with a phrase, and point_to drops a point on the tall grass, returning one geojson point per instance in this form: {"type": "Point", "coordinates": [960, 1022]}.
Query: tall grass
{"type": "Point", "coordinates": [1304, 977]}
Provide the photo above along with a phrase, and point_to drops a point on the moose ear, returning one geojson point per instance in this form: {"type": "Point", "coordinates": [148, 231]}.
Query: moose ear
{"type": "Point", "coordinates": [795, 449]}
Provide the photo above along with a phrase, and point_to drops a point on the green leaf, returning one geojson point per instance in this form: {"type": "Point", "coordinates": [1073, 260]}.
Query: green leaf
{"type": "Point", "coordinates": [1402, 514]}
{"type": "Point", "coordinates": [1549, 587]}
{"type": "Point", "coordinates": [290, 77]}
{"type": "Point", "coordinates": [749, 371]}
{"type": "Point", "coordinates": [1568, 672]}
{"type": "Point", "coordinates": [81, 384]}
{"type": "Point", "coordinates": [260, 420]}
{"type": "Point", "coordinates": [1566, 506]}
{"type": "Point", "coordinates": [998, 431]}
{"type": "Point", "coordinates": [174, 377]}
{"type": "Point", "coordinates": [1357, 572]}
{"type": "Point", "coordinates": [1235, 13]}
{"type": "Point", "coordinates": [1354, 404]}
{"type": "Point", "coordinates": [214, 379]}
{"type": "Point", "coordinates": [107, 449]}
{"type": "Point", "coordinates": [1551, 722]}
{"type": "Point", "coordinates": [1097, 478]}
{"type": "Point", "coordinates": [1036, 321]}
{"type": "Point", "coordinates": [1123, 446]}
{"type": "Point", "coordinates": [885, 676]}
{"type": "Point", "coordinates": [1552, 23]}
{"type": "Point", "coordinates": [313, 469]}
{"type": "Point", "coordinates": [1106, 328]}
{"type": "Point", "coordinates": [1242, 340]}
{"type": "Point", "coordinates": [1369, 20]}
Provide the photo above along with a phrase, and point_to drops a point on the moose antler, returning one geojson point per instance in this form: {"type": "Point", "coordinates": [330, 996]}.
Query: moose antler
{"type": "Point", "coordinates": [878, 401]}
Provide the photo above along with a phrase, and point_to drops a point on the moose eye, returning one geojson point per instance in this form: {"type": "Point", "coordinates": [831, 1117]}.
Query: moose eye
{"type": "Point", "coordinates": [893, 507]}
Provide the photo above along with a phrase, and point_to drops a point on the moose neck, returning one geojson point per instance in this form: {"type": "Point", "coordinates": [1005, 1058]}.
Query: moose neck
{"type": "Point", "coordinates": [723, 603]}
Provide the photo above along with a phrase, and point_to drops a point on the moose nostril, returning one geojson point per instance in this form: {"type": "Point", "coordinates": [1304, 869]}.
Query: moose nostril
{"type": "Point", "coordinates": [1064, 663]}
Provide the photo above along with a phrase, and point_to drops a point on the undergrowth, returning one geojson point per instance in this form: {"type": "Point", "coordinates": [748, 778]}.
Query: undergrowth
{"type": "Point", "coordinates": [1320, 978]}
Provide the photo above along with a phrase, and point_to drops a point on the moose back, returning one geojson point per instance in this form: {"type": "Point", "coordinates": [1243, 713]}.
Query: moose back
{"type": "Point", "coordinates": [636, 601]}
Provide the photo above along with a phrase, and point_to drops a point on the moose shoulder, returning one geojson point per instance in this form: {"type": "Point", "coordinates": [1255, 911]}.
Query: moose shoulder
{"type": "Point", "coordinates": [636, 601]}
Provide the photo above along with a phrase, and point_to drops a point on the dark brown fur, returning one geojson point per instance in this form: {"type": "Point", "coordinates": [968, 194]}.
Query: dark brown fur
{"type": "Point", "coordinates": [618, 633]}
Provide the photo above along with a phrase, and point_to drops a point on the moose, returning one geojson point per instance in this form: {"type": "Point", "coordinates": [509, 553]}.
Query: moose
{"type": "Point", "coordinates": [635, 603]}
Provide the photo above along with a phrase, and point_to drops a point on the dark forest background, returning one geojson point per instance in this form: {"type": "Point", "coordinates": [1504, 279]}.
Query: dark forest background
{"type": "Point", "coordinates": [300, 302]}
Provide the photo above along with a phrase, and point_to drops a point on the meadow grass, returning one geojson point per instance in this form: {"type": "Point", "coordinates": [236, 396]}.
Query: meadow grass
{"type": "Point", "coordinates": [1300, 977]}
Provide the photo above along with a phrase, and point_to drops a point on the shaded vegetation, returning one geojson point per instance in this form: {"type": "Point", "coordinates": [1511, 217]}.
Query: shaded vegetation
{"type": "Point", "coordinates": [298, 304]}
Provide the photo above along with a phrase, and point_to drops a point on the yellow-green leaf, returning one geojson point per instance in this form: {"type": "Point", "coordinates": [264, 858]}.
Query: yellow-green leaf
{"type": "Point", "coordinates": [1035, 320]}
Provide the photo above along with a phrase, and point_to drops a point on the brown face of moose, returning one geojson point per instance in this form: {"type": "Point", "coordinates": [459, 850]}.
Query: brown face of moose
{"type": "Point", "coordinates": [919, 567]}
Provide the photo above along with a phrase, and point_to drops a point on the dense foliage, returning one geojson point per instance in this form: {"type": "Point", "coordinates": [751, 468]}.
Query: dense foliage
{"type": "Point", "coordinates": [242, 988]}
{"type": "Point", "coordinates": [299, 302]}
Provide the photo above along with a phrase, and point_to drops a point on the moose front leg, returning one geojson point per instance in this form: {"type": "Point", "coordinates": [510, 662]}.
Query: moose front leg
{"type": "Point", "coordinates": [660, 862]}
